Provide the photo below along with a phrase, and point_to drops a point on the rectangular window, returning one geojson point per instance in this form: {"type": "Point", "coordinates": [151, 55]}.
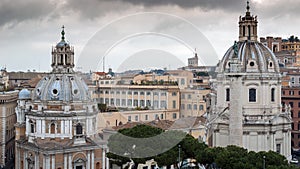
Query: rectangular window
{"type": "Point", "coordinates": [182, 96]}
{"type": "Point", "coordinates": [135, 93]}
{"type": "Point", "coordinates": [136, 118]}
{"type": "Point", "coordinates": [118, 102]}
{"type": "Point", "coordinates": [174, 104]}
{"type": "Point", "coordinates": [112, 101]}
{"type": "Point", "coordinates": [291, 104]}
{"type": "Point", "coordinates": [163, 104]}
{"type": "Point", "coordinates": [182, 106]}
{"type": "Point", "coordinates": [142, 103]}
{"type": "Point", "coordinates": [155, 104]}
{"type": "Point", "coordinates": [189, 107]}
{"type": "Point", "coordinates": [123, 102]}
{"type": "Point", "coordinates": [228, 95]}
{"type": "Point", "coordinates": [174, 94]}
{"type": "Point", "coordinates": [129, 102]}
{"type": "Point", "coordinates": [182, 81]}
{"type": "Point", "coordinates": [163, 94]}
{"type": "Point", "coordinates": [195, 106]}
{"type": "Point", "coordinates": [174, 115]}
{"type": "Point", "coordinates": [161, 116]}
{"type": "Point", "coordinates": [189, 96]}
{"type": "Point", "coordinates": [135, 103]}
{"type": "Point", "coordinates": [146, 117]}
{"type": "Point", "coordinates": [291, 93]}
{"type": "Point", "coordinates": [252, 95]}
{"type": "Point", "coordinates": [148, 103]}
{"type": "Point", "coordinates": [129, 118]}
{"type": "Point", "coordinates": [148, 93]}
{"type": "Point", "coordinates": [278, 148]}
{"type": "Point", "coordinates": [272, 95]}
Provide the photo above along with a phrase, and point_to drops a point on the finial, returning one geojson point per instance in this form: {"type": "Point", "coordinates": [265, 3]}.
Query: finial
{"type": "Point", "coordinates": [63, 33]}
{"type": "Point", "coordinates": [248, 6]}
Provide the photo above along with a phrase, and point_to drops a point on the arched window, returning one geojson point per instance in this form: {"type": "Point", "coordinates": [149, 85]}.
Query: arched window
{"type": "Point", "coordinates": [201, 107]}
{"type": "Point", "coordinates": [252, 95]}
{"type": "Point", "coordinates": [52, 128]}
{"type": "Point", "coordinates": [78, 129]}
{"type": "Point", "coordinates": [227, 94]}
{"type": "Point", "coordinates": [272, 95]}
{"type": "Point", "coordinates": [97, 165]}
{"type": "Point", "coordinates": [31, 126]}
{"type": "Point", "coordinates": [61, 59]}
{"type": "Point", "coordinates": [66, 59]}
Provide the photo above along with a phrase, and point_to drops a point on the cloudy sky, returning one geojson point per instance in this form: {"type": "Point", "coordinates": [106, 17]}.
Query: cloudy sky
{"type": "Point", "coordinates": [119, 32]}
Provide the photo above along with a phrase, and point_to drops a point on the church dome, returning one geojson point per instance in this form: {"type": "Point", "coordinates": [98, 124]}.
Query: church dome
{"type": "Point", "coordinates": [63, 84]}
{"type": "Point", "coordinates": [24, 94]}
{"type": "Point", "coordinates": [253, 56]}
{"type": "Point", "coordinates": [61, 87]}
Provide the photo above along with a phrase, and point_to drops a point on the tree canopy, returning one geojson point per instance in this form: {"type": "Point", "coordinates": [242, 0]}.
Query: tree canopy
{"type": "Point", "coordinates": [142, 143]}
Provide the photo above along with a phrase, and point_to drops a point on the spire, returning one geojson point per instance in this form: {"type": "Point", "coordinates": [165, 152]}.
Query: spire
{"type": "Point", "coordinates": [196, 56]}
{"type": "Point", "coordinates": [248, 10]}
{"type": "Point", "coordinates": [63, 33]}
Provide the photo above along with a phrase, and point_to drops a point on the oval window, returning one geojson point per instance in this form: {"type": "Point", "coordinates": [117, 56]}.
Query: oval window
{"type": "Point", "coordinates": [55, 91]}
{"type": "Point", "coordinates": [251, 63]}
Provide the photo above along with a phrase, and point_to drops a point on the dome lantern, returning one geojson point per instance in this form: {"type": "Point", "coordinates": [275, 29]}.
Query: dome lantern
{"type": "Point", "coordinates": [248, 26]}
{"type": "Point", "coordinates": [63, 56]}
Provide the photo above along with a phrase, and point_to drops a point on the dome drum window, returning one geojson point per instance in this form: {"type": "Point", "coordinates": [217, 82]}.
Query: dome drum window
{"type": "Point", "coordinates": [252, 66]}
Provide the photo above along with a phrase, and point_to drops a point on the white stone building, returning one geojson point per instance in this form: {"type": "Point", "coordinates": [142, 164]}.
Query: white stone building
{"type": "Point", "coordinates": [247, 109]}
{"type": "Point", "coordinates": [56, 123]}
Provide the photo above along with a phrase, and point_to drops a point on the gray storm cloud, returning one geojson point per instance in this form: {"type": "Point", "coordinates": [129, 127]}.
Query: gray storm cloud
{"type": "Point", "coordinates": [12, 12]}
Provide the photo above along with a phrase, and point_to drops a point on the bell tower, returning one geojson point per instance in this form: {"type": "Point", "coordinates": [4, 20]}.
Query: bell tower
{"type": "Point", "coordinates": [62, 56]}
{"type": "Point", "coordinates": [248, 26]}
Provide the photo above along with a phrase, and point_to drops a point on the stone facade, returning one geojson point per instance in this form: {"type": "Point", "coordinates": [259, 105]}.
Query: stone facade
{"type": "Point", "coordinates": [8, 103]}
{"type": "Point", "coordinates": [56, 122]}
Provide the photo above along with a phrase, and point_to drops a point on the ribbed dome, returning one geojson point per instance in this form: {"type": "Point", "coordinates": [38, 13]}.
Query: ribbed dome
{"type": "Point", "coordinates": [24, 94]}
{"type": "Point", "coordinates": [61, 87]}
{"type": "Point", "coordinates": [253, 57]}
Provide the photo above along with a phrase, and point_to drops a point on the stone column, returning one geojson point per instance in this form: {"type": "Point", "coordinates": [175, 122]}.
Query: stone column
{"type": "Point", "coordinates": [70, 161]}
{"type": "Point", "coordinates": [37, 161]}
{"type": "Point", "coordinates": [65, 160]}
{"type": "Point", "coordinates": [103, 158]}
{"type": "Point", "coordinates": [24, 159]}
{"type": "Point", "coordinates": [88, 164]}
{"type": "Point", "coordinates": [107, 160]}
{"type": "Point", "coordinates": [93, 160]}
{"type": "Point", "coordinates": [235, 110]}
{"type": "Point", "coordinates": [47, 162]}
{"type": "Point", "coordinates": [53, 161]}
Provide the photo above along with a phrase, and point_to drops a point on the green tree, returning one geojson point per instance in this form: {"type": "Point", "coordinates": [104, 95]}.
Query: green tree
{"type": "Point", "coordinates": [123, 148]}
